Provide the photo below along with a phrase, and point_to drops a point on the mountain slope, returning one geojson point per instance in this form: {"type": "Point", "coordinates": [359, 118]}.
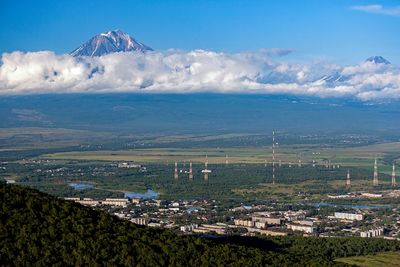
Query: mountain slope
{"type": "Point", "coordinates": [42, 230]}
{"type": "Point", "coordinates": [109, 42]}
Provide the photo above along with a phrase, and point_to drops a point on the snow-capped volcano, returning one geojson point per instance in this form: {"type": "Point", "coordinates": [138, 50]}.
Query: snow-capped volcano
{"type": "Point", "coordinates": [338, 77]}
{"type": "Point", "coordinates": [377, 60]}
{"type": "Point", "coordinates": [109, 42]}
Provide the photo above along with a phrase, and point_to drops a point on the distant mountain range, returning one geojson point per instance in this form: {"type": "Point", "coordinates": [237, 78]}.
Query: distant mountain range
{"type": "Point", "coordinates": [118, 41]}
{"type": "Point", "coordinates": [109, 42]}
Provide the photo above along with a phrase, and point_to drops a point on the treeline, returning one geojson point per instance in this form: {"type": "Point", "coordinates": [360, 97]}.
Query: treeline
{"type": "Point", "coordinates": [39, 229]}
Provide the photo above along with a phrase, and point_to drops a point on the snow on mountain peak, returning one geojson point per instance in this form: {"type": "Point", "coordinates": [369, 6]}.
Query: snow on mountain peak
{"type": "Point", "coordinates": [377, 60]}
{"type": "Point", "coordinates": [109, 42]}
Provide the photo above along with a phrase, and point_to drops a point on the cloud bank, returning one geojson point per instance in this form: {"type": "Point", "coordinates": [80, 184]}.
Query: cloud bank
{"type": "Point", "coordinates": [194, 71]}
{"type": "Point", "coordinates": [379, 9]}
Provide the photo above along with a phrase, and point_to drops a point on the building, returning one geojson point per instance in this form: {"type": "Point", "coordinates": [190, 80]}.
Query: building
{"type": "Point", "coordinates": [303, 228]}
{"type": "Point", "coordinates": [88, 202]}
{"type": "Point", "coordinates": [210, 228]}
{"type": "Point", "coordinates": [348, 216]}
{"type": "Point", "coordinates": [154, 224]}
{"type": "Point", "coordinates": [265, 232]}
{"type": "Point", "coordinates": [294, 215]}
{"type": "Point", "coordinates": [135, 200]}
{"type": "Point", "coordinates": [260, 225]}
{"type": "Point", "coordinates": [174, 209]}
{"type": "Point", "coordinates": [303, 222]}
{"type": "Point", "coordinates": [245, 223]}
{"type": "Point", "coordinates": [115, 201]}
{"type": "Point", "coordinates": [140, 221]}
{"type": "Point", "coordinates": [267, 220]}
{"type": "Point", "coordinates": [72, 198]}
{"type": "Point", "coordinates": [188, 228]}
{"type": "Point", "coordinates": [372, 233]}
{"type": "Point", "coordinates": [108, 201]}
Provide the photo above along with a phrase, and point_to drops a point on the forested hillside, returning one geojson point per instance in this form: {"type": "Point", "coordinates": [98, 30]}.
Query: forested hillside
{"type": "Point", "coordinates": [39, 229]}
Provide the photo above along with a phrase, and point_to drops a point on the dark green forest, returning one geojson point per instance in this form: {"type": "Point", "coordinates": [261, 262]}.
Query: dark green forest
{"type": "Point", "coordinates": [37, 229]}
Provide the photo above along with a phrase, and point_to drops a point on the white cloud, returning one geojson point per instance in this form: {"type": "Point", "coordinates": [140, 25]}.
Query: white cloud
{"type": "Point", "coordinates": [193, 71]}
{"type": "Point", "coordinates": [378, 9]}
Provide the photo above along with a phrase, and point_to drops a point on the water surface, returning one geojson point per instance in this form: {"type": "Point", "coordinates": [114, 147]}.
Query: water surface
{"type": "Point", "coordinates": [149, 194]}
{"type": "Point", "coordinates": [81, 186]}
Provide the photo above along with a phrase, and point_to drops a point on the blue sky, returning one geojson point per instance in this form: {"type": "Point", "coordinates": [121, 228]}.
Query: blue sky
{"type": "Point", "coordinates": [315, 29]}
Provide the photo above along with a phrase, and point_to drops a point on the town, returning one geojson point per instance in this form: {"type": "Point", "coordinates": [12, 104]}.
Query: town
{"type": "Point", "coordinates": [344, 212]}
{"type": "Point", "coordinates": [208, 217]}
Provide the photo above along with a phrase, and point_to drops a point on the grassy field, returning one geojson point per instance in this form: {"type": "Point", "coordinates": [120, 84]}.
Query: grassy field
{"type": "Point", "coordinates": [352, 157]}
{"type": "Point", "coordinates": [389, 259]}
{"type": "Point", "coordinates": [168, 155]}
{"type": "Point", "coordinates": [167, 148]}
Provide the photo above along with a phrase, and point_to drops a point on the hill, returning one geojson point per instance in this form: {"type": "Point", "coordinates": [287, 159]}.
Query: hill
{"type": "Point", "coordinates": [42, 230]}
{"type": "Point", "coordinates": [39, 229]}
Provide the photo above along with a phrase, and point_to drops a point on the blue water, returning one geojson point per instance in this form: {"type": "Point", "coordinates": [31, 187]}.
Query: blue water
{"type": "Point", "coordinates": [327, 204]}
{"type": "Point", "coordinates": [80, 186]}
{"type": "Point", "coordinates": [149, 194]}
